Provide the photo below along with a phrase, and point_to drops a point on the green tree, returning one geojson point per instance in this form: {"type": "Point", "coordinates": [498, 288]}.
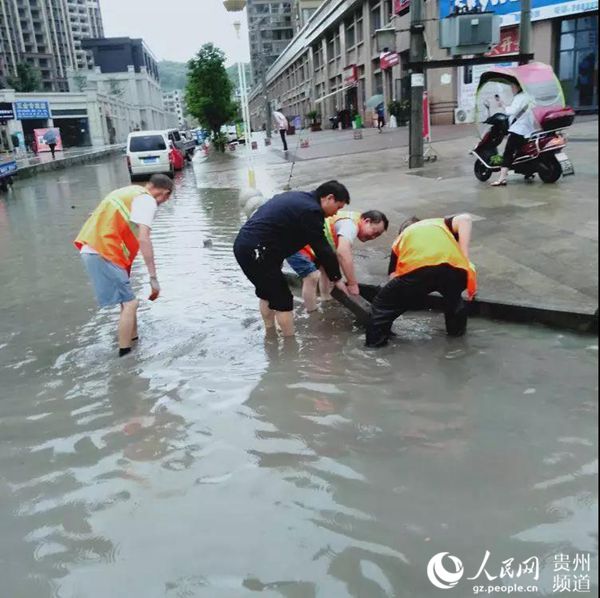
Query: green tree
{"type": "Point", "coordinates": [208, 90]}
{"type": "Point", "coordinates": [28, 78]}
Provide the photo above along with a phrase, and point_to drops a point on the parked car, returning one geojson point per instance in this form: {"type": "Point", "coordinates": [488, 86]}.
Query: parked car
{"type": "Point", "coordinates": [182, 143]}
{"type": "Point", "coordinates": [148, 153]}
{"type": "Point", "coordinates": [231, 132]}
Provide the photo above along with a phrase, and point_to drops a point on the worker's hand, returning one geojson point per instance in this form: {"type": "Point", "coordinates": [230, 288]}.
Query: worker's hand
{"type": "Point", "coordinates": [353, 288]}
{"type": "Point", "coordinates": [341, 285]}
{"type": "Point", "coordinates": [155, 288]}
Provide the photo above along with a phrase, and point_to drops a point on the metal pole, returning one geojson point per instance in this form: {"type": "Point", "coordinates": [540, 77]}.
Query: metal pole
{"type": "Point", "coordinates": [266, 96]}
{"type": "Point", "coordinates": [525, 30]}
{"type": "Point", "coordinates": [245, 112]}
{"type": "Point", "coordinates": [417, 84]}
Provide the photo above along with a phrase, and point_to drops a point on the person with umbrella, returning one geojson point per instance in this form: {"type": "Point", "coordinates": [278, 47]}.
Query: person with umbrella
{"type": "Point", "coordinates": [50, 139]}
{"type": "Point", "coordinates": [376, 102]}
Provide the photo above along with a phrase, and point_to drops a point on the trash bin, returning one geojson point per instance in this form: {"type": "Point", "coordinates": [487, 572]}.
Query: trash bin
{"type": "Point", "coordinates": [358, 122]}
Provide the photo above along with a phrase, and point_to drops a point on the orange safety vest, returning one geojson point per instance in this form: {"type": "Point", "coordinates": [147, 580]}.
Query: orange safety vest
{"type": "Point", "coordinates": [431, 243]}
{"type": "Point", "coordinates": [330, 232]}
{"type": "Point", "coordinates": [109, 229]}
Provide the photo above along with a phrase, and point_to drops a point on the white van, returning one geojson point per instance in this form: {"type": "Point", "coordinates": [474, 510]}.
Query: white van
{"type": "Point", "coordinates": [148, 153]}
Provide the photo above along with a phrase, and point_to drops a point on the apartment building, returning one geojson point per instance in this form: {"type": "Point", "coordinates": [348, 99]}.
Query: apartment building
{"type": "Point", "coordinates": [47, 34]}
{"type": "Point", "coordinates": [174, 103]}
{"type": "Point", "coordinates": [270, 30]}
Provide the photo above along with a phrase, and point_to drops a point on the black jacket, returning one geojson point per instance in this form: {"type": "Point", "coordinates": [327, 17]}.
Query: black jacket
{"type": "Point", "coordinates": [285, 224]}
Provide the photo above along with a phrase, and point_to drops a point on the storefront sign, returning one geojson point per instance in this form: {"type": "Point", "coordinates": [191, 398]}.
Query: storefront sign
{"type": "Point", "coordinates": [510, 9]}
{"type": "Point", "coordinates": [509, 42]}
{"type": "Point", "coordinates": [27, 110]}
{"type": "Point", "coordinates": [351, 74]}
{"type": "Point", "coordinates": [401, 6]}
{"type": "Point", "coordinates": [388, 60]}
{"type": "Point", "coordinates": [6, 111]}
{"type": "Point", "coordinates": [42, 146]}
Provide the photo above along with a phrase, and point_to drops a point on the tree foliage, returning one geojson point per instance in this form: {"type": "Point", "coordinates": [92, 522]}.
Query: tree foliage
{"type": "Point", "coordinates": [28, 78]}
{"type": "Point", "coordinates": [208, 89]}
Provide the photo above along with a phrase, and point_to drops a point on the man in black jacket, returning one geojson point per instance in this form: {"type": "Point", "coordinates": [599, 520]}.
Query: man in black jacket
{"type": "Point", "coordinates": [278, 229]}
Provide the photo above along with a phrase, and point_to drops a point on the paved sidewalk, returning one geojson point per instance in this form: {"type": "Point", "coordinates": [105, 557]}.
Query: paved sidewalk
{"type": "Point", "coordinates": [534, 244]}
{"type": "Point", "coordinates": [30, 164]}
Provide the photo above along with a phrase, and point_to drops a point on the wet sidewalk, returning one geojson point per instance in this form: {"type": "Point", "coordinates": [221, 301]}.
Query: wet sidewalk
{"type": "Point", "coordinates": [533, 244]}
{"type": "Point", "coordinates": [31, 164]}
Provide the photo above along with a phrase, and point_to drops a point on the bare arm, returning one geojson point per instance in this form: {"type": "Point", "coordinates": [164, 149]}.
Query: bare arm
{"type": "Point", "coordinates": [462, 226]}
{"type": "Point", "coordinates": [344, 254]}
{"type": "Point", "coordinates": [146, 249]}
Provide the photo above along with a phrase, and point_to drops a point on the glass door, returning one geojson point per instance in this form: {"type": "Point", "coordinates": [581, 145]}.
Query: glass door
{"type": "Point", "coordinates": [578, 61]}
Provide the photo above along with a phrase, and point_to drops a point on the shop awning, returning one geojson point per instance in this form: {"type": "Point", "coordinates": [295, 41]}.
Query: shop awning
{"type": "Point", "coordinates": [334, 92]}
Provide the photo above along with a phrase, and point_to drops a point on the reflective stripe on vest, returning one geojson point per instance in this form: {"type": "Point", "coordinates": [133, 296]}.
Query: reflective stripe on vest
{"type": "Point", "coordinates": [330, 232]}
{"type": "Point", "coordinates": [109, 229]}
{"type": "Point", "coordinates": [430, 243]}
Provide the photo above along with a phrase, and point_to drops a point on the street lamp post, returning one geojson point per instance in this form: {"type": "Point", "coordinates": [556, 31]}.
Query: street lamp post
{"type": "Point", "coordinates": [236, 6]}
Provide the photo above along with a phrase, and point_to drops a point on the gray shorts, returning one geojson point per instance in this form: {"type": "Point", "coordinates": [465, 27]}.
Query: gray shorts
{"type": "Point", "coordinates": [111, 282]}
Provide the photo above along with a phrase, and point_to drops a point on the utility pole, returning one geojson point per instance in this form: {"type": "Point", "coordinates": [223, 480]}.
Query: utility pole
{"type": "Point", "coordinates": [525, 30]}
{"type": "Point", "coordinates": [417, 84]}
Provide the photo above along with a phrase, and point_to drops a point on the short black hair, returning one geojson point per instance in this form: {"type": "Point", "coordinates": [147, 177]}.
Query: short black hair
{"type": "Point", "coordinates": [376, 217]}
{"type": "Point", "coordinates": [407, 223]}
{"type": "Point", "coordinates": [161, 181]}
{"type": "Point", "coordinates": [333, 188]}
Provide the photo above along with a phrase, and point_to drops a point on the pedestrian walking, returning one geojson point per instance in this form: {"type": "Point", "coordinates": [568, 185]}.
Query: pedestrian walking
{"type": "Point", "coordinates": [380, 117]}
{"type": "Point", "coordinates": [50, 139]}
{"type": "Point", "coordinates": [110, 240]}
{"type": "Point", "coordinates": [282, 125]}
{"type": "Point", "coordinates": [428, 256]}
{"type": "Point", "coordinates": [341, 231]}
{"type": "Point", "coordinates": [277, 230]}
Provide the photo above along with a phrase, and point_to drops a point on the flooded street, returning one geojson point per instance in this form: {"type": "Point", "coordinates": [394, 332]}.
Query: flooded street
{"type": "Point", "coordinates": [214, 463]}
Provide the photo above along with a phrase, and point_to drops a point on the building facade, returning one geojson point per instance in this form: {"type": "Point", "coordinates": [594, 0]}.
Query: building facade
{"type": "Point", "coordinates": [332, 64]}
{"type": "Point", "coordinates": [47, 34]}
{"type": "Point", "coordinates": [116, 54]}
{"type": "Point", "coordinates": [174, 103]}
{"type": "Point", "coordinates": [270, 30]}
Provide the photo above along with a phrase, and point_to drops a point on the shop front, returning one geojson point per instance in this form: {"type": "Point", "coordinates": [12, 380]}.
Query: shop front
{"type": "Point", "coordinates": [577, 61]}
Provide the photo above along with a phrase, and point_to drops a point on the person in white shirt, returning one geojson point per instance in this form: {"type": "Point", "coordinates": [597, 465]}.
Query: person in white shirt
{"type": "Point", "coordinates": [369, 226]}
{"type": "Point", "coordinates": [522, 125]}
{"type": "Point", "coordinates": [282, 124]}
{"type": "Point", "coordinates": [109, 241]}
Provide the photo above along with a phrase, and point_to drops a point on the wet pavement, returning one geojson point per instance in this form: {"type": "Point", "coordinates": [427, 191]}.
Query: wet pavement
{"type": "Point", "coordinates": [212, 463]}
{"type": "Point", "coordinates": [533, 244]}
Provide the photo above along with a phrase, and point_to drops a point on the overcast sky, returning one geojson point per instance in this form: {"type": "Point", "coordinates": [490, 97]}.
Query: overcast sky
{"type": "Point", "coordinates": [175, 29]}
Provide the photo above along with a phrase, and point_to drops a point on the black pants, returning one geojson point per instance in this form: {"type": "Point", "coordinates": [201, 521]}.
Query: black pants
{"type": "Point", "coordinates": [513, 145]}
{"type": "Point", "coordinates": [52, 147]}
{"type": "Point", "coordinates": [409, 291]}
{"type": "Point", "coordinates": [283, 139]}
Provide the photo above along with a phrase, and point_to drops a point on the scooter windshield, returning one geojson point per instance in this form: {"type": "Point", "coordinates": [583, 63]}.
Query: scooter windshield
{"type": "Point", "coordinates": [492, 97]}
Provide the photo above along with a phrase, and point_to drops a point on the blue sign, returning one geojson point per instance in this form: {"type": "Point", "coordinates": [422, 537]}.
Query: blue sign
{"type": "Point", "coordinates": [35, 109]}
{"type": "Point", "coordinates": [540, 9]}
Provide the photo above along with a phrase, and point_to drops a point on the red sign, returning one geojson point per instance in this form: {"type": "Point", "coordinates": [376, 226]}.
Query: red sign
{"type": "Point", "coordinates": [426, 118]}
{"type": "Point", "coordinates": [388, 60]}
{"type": "Point", "coordinates": [401, 6]}
{"type": "Point", "coordinates": [42, 145]}
{"type": "Point", "coordinates": [352, 76]}
{"type": "Point", "coordinates": [508, 44]}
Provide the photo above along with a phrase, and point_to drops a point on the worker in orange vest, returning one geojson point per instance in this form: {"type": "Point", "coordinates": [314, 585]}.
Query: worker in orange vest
{"type": "Point", "coordinates": [341, 231]}
{"type": "Point", "coordinates": [110, 240]}
{"type": "Point", "coordinates": [428, 256]}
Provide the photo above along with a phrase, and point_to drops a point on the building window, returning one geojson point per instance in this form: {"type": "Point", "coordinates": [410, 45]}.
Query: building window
{"type": "Point", "coordinates": [375, 18]}
{"type": "Point", "coordinates": [350, 35]}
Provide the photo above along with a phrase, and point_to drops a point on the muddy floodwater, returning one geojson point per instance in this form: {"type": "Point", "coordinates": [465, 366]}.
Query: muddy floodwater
{"type": "Point", "coordinates": [212, 463]}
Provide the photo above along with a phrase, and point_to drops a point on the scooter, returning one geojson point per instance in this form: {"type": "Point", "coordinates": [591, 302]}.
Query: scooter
{"type": "Point", "coordinates": [542, 153]}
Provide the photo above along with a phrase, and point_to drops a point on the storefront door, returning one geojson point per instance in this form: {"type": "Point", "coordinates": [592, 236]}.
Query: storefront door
{"type": "Point", "coordinates": [578, 61]}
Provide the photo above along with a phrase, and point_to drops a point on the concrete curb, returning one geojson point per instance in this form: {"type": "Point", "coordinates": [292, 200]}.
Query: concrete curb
{"type": "Point", "coordinates": [574, 321]}
{"type": "Point", "coordinates": [62, 163]}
